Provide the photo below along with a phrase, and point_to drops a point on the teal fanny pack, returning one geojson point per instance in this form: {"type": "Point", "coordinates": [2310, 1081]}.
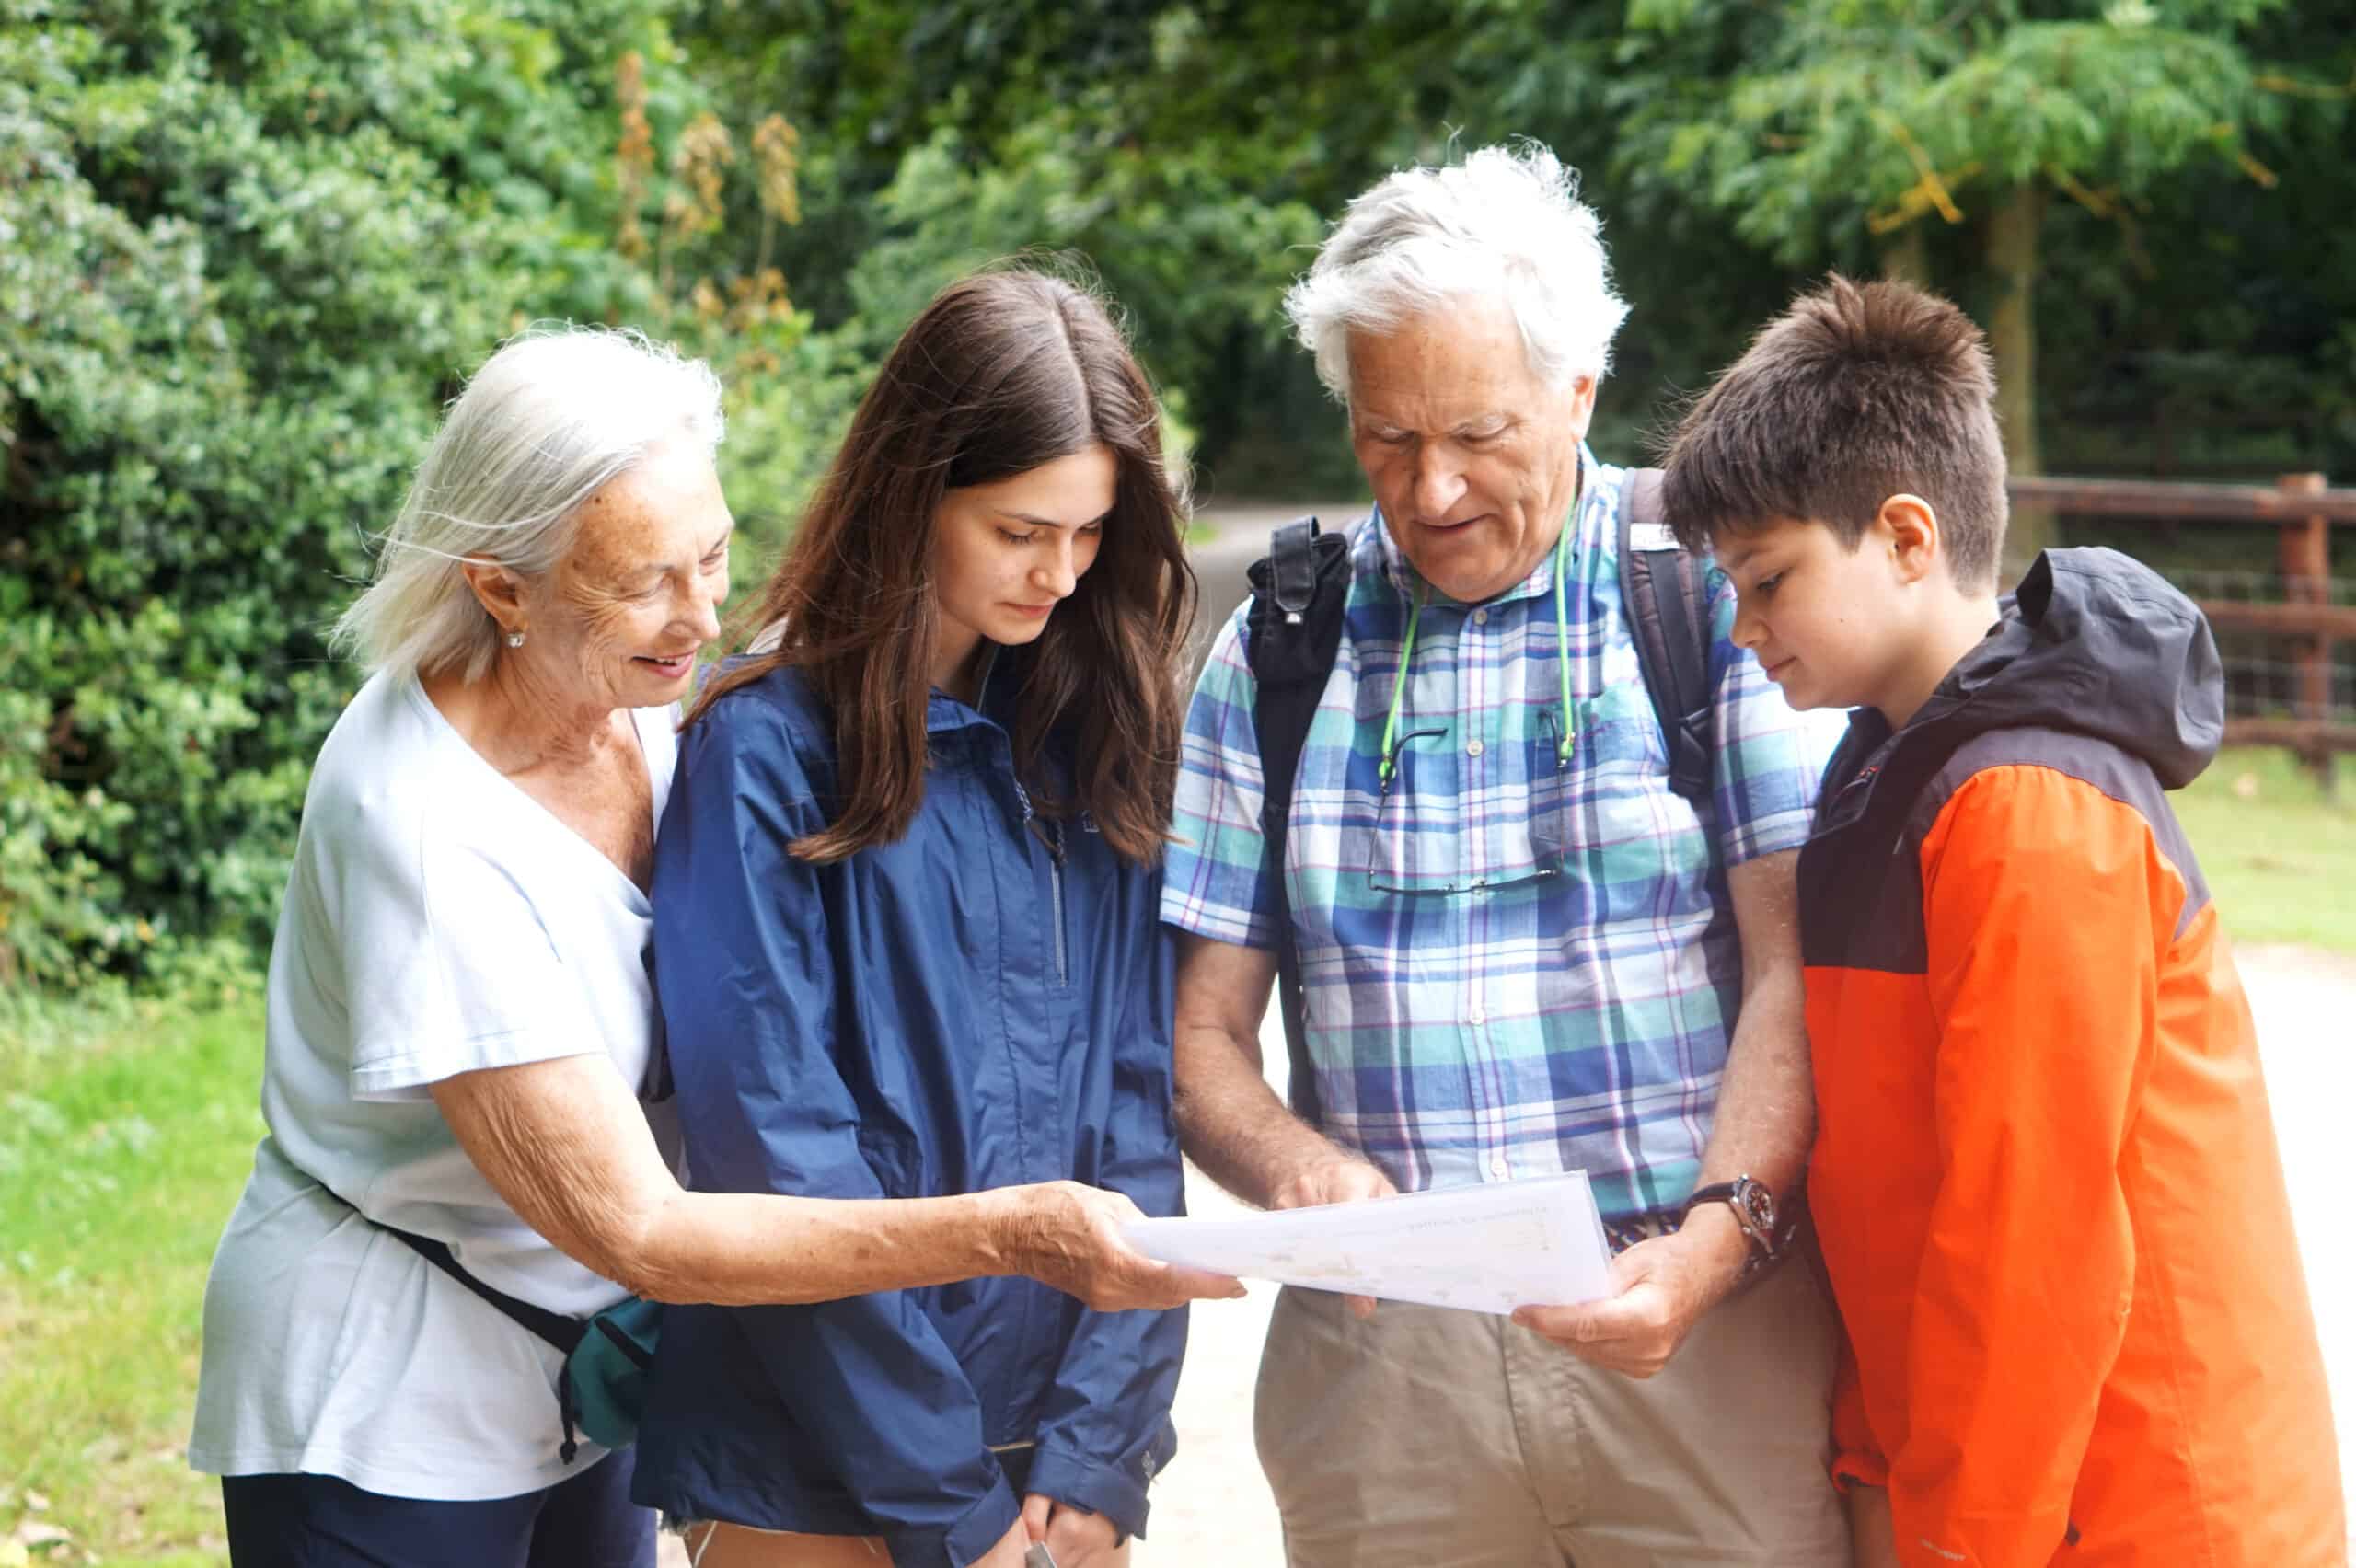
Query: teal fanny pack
{"type": "Point", "coordinates": [607, 1371]}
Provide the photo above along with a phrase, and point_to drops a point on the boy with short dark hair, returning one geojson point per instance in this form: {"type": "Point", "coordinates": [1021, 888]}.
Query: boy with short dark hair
{"type": "Point", "coordinates": [2045, 1175]}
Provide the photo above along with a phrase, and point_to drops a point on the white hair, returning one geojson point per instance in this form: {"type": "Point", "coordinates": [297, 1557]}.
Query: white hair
{"type": "Point", "coordinates": [1506, 224]}
{"type": "Point", "coordinates": [556, 414]}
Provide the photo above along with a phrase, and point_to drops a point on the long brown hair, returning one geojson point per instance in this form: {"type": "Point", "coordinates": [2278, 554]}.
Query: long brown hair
{"type": "Point", "coordinates": [1003, 371]}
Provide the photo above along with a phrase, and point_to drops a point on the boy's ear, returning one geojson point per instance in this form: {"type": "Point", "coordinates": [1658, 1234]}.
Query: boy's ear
{"type": "Point", "coordinates": [1910, 529]}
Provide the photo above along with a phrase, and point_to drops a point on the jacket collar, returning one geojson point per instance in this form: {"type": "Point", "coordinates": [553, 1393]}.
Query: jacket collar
{"type": "Point", "coordinates": [1001, 684]}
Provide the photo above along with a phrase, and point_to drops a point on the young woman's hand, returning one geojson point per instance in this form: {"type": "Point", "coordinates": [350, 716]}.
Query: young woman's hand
{"type": "Point", "coordinates": [1068, 1236]}
{"type": "Point", "coordinates": [1010, 1549]}
{"type": "Point", "coordinates": [1076, 1538]}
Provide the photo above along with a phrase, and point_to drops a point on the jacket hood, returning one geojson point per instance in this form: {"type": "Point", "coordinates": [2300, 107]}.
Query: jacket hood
{"type": "Point", "coordinates": [2098, 643]}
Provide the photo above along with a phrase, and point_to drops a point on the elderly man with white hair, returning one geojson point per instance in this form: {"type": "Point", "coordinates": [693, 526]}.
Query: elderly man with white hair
{"type": "Point", "coordinates": [1514, 945]}
{"type": "Point", "coordinates": [469, 1139]}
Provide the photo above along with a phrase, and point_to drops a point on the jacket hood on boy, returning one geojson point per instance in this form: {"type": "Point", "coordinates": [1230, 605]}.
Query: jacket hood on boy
{"type": "Point", "coordinates": [2096, 643]}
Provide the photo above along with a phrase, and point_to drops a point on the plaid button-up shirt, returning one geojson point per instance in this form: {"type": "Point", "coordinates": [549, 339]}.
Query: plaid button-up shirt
{"type": "Point", "coordinates": [1575, 1022]}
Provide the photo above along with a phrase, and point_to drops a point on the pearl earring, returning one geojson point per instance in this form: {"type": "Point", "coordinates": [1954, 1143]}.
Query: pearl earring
{"type": "Point", "coordinates": [514, 639]}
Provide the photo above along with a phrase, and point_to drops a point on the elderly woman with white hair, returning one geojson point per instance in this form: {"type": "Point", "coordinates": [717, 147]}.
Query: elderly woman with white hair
{"type": "Point", "coordinates": [463, 1087]}
{"type": "Point", "coordinates": [1524, 929]}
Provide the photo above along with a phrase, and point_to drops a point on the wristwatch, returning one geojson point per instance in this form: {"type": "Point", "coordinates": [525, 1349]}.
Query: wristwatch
{"type": "Point", "coordinates": [1754, 1210]}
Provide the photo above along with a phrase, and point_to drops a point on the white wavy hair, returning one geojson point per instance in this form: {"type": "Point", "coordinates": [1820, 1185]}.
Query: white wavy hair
{"type": "Point", "coordinates": [1506, 224]}
{"type": "Point", "coordinates": [556, 414]}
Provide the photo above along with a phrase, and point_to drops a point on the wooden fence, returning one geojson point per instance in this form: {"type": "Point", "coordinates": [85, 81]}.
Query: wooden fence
{"type": "Point", "coordinates": [2301, 509]}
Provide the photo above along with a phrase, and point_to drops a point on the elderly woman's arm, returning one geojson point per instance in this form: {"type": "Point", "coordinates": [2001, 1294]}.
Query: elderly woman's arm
{"type": "Point", "coordinates": [568, 1147]}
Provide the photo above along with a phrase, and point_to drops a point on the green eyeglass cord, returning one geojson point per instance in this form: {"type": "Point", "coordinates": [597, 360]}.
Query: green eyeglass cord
{"type": "Point", "coordinates": [1562, 652]}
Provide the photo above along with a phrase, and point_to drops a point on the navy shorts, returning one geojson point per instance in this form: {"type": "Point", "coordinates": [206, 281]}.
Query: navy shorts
{"type": "Point", "coordinates": [321, 1521]}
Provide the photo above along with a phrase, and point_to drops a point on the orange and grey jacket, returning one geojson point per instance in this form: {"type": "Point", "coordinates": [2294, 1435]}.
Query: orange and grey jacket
{"type": "Point", "coordinates": [2045, 1174]}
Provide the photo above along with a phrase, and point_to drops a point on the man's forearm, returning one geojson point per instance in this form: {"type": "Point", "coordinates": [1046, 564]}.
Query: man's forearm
{"type": "Point", "coordinates": [1231, 1123]}
{"type": "Point", "coordinates": [1766, 1115]}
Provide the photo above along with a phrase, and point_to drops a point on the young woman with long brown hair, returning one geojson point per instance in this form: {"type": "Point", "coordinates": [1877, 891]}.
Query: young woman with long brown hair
{"type": "Point", "coordinates": [907, 942]}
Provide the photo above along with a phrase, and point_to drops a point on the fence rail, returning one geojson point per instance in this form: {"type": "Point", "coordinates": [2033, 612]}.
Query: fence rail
{"type": "Point", "coordinates": [2306, 620]}
{"type": "Point", "coordinates": [2332, 621]}
{"type": "Point", "coordinates": [2209, 503]}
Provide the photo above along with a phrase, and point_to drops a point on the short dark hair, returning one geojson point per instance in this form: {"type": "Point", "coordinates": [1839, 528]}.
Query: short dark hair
{"type": "Point", "coordinates": [1857, 393]}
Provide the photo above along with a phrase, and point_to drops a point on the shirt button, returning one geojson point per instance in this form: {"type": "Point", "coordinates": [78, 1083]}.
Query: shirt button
{"type": "Point", "coordinates": [1480, 618]}
{"type": "Point", "coordinates": [1474, 748]}
{"type": "Point", "coordinates": [1497, 1165]}
{"type": "Point", "coordinates": [1478, 1016]}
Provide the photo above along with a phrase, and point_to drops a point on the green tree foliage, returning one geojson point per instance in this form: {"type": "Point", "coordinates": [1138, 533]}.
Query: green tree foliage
{"type": "Point", "coordinates": [1834, 127]}
{"type": "Point", "coordinates": [943, 136]}
{"type": "Point", "coordinates": [1194, 152]}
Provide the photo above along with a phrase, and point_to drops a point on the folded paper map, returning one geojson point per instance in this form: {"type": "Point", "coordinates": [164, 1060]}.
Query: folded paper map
{"type": "Point", "coordinates": [1486, 1249]}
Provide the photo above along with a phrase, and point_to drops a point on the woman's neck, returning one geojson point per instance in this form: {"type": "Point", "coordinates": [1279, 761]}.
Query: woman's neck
{"type": "Point", "coordinates": [521, 721]}
{"type": "Point", "coordinates": [959, 657]}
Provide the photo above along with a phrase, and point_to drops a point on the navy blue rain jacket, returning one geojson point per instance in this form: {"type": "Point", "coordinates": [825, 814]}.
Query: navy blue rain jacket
{"type": "Point", "coordinates": [987, 1001]}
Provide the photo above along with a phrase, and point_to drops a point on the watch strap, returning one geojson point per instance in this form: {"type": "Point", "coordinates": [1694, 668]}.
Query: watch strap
{"type": "Point", "coordinates": [1767, 1234]}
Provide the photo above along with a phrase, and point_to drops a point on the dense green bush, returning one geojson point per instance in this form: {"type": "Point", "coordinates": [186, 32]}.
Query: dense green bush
{"type": "Point", "coordinates": [245, 250]}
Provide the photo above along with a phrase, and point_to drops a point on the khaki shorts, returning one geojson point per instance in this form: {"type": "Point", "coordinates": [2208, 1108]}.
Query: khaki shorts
{"type": "Point", "coordinates": [1429, 1437]}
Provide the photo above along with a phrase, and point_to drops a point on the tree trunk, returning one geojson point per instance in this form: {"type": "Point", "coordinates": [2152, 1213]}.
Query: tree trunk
{"type": "Point", "coordinates": [1906, 259]}
{"type": "Point", "coordinates": [2012, 338]}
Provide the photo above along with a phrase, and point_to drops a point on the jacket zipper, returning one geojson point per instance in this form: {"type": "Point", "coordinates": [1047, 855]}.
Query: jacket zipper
{"type": "Point", "coordinates": [1056, 899]}
{"type": "Point", "coordinates": [1053, 840]}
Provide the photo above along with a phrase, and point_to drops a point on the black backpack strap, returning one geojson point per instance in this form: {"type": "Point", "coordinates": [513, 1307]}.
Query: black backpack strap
{"type": "Point", "coordinates": [1665, 591]}
{"type": "Point", "coordinates": [1293, 629]}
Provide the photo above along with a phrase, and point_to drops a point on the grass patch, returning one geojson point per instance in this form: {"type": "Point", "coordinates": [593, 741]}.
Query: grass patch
{"type": "Point", "coordinates": [122, 1153]}
{"type": "Point", "coordinates": [2279, 857]}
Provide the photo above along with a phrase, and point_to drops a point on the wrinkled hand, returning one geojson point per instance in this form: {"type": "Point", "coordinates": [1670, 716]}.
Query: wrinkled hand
{"type": "Point", "coordinates": [1068, 1236]}
{"type": "Point", "coordinates": [1340, 1179]}
{"type": "Point", "coordinates": [1661, 1287]}
{"type": "Point", "coordinates": [1076, 1538]}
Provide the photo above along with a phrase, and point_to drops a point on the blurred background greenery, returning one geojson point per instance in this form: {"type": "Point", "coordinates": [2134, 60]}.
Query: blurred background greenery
{"type": "Point", "coordinates": [248, 247]}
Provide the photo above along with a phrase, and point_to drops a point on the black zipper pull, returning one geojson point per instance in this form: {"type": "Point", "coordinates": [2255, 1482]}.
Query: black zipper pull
{"type": "Point", "coordinates": [1049, 833]}
{"type": "Point", "coordinates": [569, 1411]}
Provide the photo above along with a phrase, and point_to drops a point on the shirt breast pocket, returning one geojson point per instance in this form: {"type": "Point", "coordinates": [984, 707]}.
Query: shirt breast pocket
{"type": "Point", "coordinates": [1607, 815]}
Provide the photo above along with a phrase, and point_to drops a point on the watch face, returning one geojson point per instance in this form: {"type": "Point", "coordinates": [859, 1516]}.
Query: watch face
{"type": "Point", "coordinates": [1756, 1204]}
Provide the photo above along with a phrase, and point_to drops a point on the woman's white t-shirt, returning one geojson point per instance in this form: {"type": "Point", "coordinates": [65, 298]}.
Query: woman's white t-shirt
{"type": "Point", "coordinates": [437, 920]}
